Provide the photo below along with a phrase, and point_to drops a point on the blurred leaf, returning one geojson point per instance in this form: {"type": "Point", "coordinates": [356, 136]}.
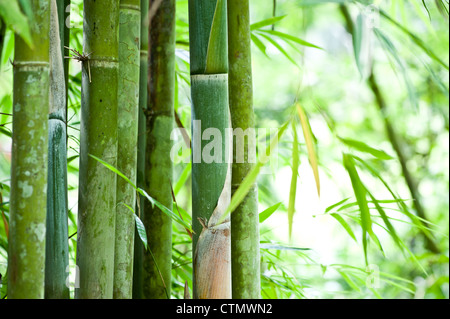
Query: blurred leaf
{"type": "Point", "coordinates": [16, 20]}
{"type": "Point", "coordinates": [329, 208]}
{"type": "Point", "coordinates": [293, 187]}
{"type": "Point", "coordinates": [153, 201]}
{"type": "Point", "coordinates": [309, 145]}
{"type": "Point", "coordinates": [259, 44]}
{"type": "Point", "coordinates": [267, 22]}
{"type": "Point", "coordinates": [391, 49]}
{"type": "Point", "coordinates": [288, 37]}
{"type": "Point", "coordinates": [280, 48]}
{"type": "Point", "coordinates": [345, 225]}
{"type": "Point", "coordinates": [419, 42]}
{"type": "Point", "coordinates": [360, 193]}
{"type": "Point", "coordinates": [250, 179]}
{"type": "Point", "coordinates": [363, 147]}
{"type": "Point", "coordinates": [281, 247]}
{"type": "Point", "coordinates": [268, 212]}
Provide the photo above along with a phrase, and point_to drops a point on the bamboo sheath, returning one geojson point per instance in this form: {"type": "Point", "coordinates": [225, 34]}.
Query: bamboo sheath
{"type": "Point", "coordinates": [211, 182]}
{"type": "Point", "coordinates": [97, 203]}
{"type": "Point", "coordinates": [28, 201]}
{"type": "Point", "coordinates": [57, 246]}
{"type": "Point", "coordinates": [128, 91]}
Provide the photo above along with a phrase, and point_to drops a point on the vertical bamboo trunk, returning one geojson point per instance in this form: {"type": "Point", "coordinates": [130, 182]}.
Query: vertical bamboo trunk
{"type": "Point", "coordinates": [97, 184]}
{"type": "Point", "coordinates": [158, 170]}
{"type": "Point", "coordinates": [129, 57]}
{"type": "Point", "coordinates": [140, 170]}
{"type": "Point", "coordinates": [211, 180]}
{"type": "Point", "coordinates": [245, 254]}
{"type": "Point", "coordinates": [57, 246]}
{"type": "Point", "coordinates": [28, 202]}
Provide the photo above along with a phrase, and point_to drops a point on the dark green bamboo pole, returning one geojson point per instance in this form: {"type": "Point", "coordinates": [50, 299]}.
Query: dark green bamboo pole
{"type": "Point", "coordinates": [158, 170]}
{"type": "Point", "coordinates": [129, 58]}
{"type": "Point", "coordinates": [245, 256]}
{"type": "Point", "coordinates": [210, 186]}
{"type": "Point", "coordinates": [57, 245]}
{"type": "Point", "coordinates": [28, 201]}
{"type": "Point", "coordinates": [142, 138]}
{"type": "Point", "coordinates": [97, 184]}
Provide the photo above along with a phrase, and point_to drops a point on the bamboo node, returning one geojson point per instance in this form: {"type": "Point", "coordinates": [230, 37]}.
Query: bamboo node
{"type": "Point", "coordinates": [80, 57]}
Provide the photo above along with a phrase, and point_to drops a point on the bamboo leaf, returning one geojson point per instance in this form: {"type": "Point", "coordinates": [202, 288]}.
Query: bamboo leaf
{"type": "Point", "coordinates": [139, 227]}
{"type": "Point", "coordinates": [293, 187]}
{"type": "Point", "coordinates": [265, 23]}
{"type": "Point", "coordinates": [329, 208]}
{"type": "Point", "coordinates": [259, 44]}
{"type": "Point", "coordinates": [16, 20]}
{"type": "Point", "coordinates": [419, 42]}
{"type": "Point", "coordinates": [288, 37]}
{"type": "Point", "coordinates": [363, 147]}
{"type": "Point", "coordinates": [268, 212]}
{"type": "Point", "coordinates": [360, 193]}
{"type": "Point", "coordinates": [345, 225]}
{"type": "Point", "coordinates": [249, 180]}
{"type": "Point", "coordinates": [281, 247]}
{"type": "Point", "coordinates": [280, 48]}
{"type": "Point", "coordinates": [153, 201]}
{"type": "Point", "coordinates": [309, 145]}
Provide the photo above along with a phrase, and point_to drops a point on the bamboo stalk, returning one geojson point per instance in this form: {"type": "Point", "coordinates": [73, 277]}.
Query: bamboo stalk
{"type": "Point", "coordinates": [245, 253]}
{"type": "Point", "coordinates": [158, 171]}
{"type": "Point", "coordinates": [211, 181]}
{"type": "Point", "coordinates": [129, 58]}
{"type": "Point", "coordinates": [140, 170]}
{"type": "Point", "coordinates": [57, 245]}
{"type": "Point", "coordinates": [96, 204]}
{"type": "Point", "coordinates": [28, 200]}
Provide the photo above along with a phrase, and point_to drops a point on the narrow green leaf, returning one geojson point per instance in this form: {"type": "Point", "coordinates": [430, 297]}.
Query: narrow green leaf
{"type": "Point", "coordinates": [419, 42]}
{"type": "Point", "coordinates": [280, 48]}
{"type": "Point", "coordinates": [281, 247]}
{"type": "Point", "coordinates": [293, 187]}
{"type": "Point", "coordinates": [345, 225]}
{"type": "Point", "coordinates": [153, 201]}
{"type": "Point", "coordinates": [307, 134]}
{"type": "Point", "coordinates": [259, 44]}
{"type": "Point", "coordinates": [288, 37]}
{"type": "Point", "coordinates": [265, 23]}
{"type": "Point", "coordinates": [363, 147]}
{"type": "Point", "coordinates": [250, 179]}
{"type": "Point", "coordinates": [360, 193]}
{"type": "Point", "coordinates": [329, 208]}
{"type": "Point", "coordinates": [268, 212]}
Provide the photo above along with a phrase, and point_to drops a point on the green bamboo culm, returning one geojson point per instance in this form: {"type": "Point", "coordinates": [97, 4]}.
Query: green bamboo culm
{"type": "Point", "coordinates": [210, 170]}
{"type": "Point", "coordinates": [97, 198]}
{"type": "Point", "coordinates": [129, 58]}
{"type": "Point", "coordinates": [141, 144]}
{"type": "Point", "coordinates": [28, 200]}
{"type": "Point", "coordinates": [245, 255]}
{"type": "Point", "coordinates": [157, 263]}
{"type": "Point", "coordinates": [57, 245]}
